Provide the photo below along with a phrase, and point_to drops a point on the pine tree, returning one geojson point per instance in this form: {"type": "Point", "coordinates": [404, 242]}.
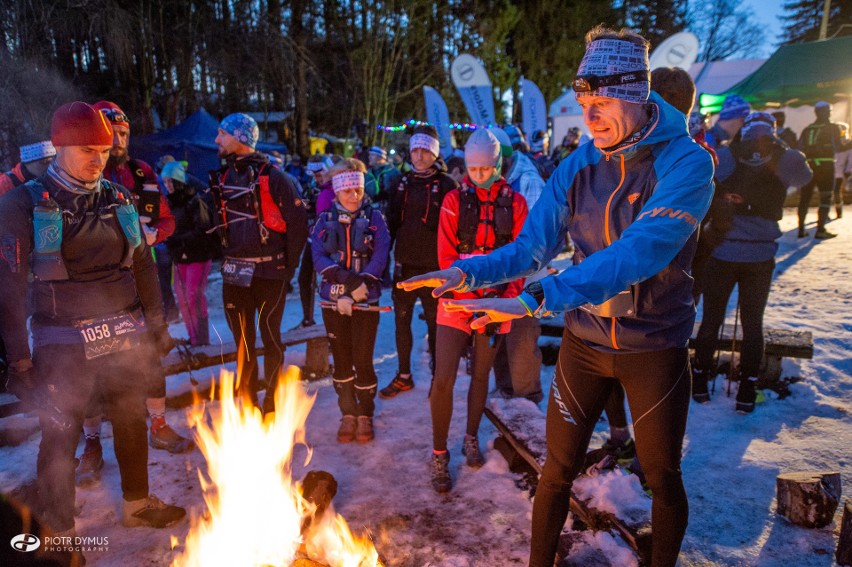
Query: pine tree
{"type": "Point", "coordinates": [802, 20]}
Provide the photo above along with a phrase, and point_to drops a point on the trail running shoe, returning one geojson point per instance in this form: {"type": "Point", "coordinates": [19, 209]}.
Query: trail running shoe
{"type": "Point", "coordinates": [470, 449]}
{"type": "Point", "coordinates": [441, 480]}
{"type": "Point", "coordinates": [398, 385]}
{"type": "Point", "coordinates": [150, 512]}
{"type": "Point", "coordinates": [91, 464]}
{"type": "Point", "coordinates": [622, 452]}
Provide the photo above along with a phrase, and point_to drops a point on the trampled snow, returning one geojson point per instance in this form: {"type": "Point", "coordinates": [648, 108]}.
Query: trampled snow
{"type": "Point", "coordinates": [730, 461]}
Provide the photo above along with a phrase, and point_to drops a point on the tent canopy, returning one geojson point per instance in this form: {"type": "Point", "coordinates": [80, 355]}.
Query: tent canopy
{"type": "Point", "coordinates": [796, 75]}
{"type": "Point", "coordinates": [192, 141]}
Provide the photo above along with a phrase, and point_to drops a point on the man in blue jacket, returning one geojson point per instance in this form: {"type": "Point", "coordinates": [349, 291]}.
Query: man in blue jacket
{"type": "Point", "coordinates": [631, 203]}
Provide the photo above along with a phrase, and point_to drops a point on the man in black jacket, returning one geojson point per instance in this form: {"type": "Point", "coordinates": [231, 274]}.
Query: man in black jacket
{"type": "Point", "coordinates": [95, 296]}
{"type": "Point", "coordinates": [263, 227]}
{"type": "Point", "coordinates": [413, 212]}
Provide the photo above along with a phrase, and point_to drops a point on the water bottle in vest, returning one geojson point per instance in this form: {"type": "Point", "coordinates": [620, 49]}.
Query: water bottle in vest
{"type": "Point", "coordinates": [47, 240]}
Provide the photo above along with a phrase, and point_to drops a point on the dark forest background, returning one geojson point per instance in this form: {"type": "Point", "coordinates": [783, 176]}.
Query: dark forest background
{"type": "Point", "coordinates": [335, 66]}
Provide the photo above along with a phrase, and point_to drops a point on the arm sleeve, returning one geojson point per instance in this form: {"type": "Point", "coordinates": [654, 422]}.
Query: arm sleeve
{"type": "Point", "coordinates": [148, 286]}
{"type": "Point", "coordinates": [16, 243]}
{"type": "Point", "coordinates": [681, 198]}
{"type": "Point", "coordinates": [793, 169]}
{"type": "Point", "coordinates": [381, 247]}
{"type": "Point", "coordinates": [294, 214]}
{"type": "Point", "coordinates": [322, 261]}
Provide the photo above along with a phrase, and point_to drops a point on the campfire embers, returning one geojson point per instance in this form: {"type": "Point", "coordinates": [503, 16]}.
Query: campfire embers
{"type": "Point", "coordinates": [256, 514]}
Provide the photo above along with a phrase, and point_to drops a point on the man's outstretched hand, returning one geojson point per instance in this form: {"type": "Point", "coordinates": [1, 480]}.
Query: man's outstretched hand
{"type": "Point", "coordinates": [442, 280]}
{"type": "Point", "coordinates": [490, 310]}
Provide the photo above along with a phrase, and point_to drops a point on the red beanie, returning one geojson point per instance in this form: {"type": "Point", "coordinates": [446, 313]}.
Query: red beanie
{"type": "Point", "coordinates": [113, 113]}
{"type": "Point", "coordinates": [78, 124]}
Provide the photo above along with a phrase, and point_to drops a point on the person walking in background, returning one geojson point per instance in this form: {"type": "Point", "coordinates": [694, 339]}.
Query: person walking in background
{"type": "Point", "coordinates": [479, 217]}
{"type": "Point", "coordinates": [34, 161]}
{"type": "Point", "coordinates": [413, 213]}
{"type": "Point", "coordinates": [192, 248]}
{"type": "Point", "coordinates": [842, 171]}
{"type": "Point", "coordinates": [752, 180]}
{"type": "Point", "coordinates": [263, 227]}
{"type": "Point", "coordinates": [820, 141]}
{"type": "Point", "coordinates": [627, 297]}
{"type": "Point", "coordinates": [350, 246]}
{"type": "Point", "coordinates": [784, 133]}
{"type": "Point", "coordinates": [381, 177]}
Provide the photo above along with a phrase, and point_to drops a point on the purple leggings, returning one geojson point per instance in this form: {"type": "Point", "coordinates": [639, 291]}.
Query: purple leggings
{"type": "Point", "coordinates": [191, 285]}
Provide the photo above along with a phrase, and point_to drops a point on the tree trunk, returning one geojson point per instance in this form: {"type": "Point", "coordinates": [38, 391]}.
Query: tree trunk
{"type": "Point", "coordinates": [297, 32]}
{"type": "Point", "coordinates": [808, 499]}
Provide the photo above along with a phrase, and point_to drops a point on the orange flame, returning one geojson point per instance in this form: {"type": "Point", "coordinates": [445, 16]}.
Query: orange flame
{"type": "Point", "coordinates": [254, 509]}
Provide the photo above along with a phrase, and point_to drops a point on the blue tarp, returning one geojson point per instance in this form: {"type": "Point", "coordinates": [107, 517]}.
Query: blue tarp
{"type": "Point", "coordinates": [190, 141]}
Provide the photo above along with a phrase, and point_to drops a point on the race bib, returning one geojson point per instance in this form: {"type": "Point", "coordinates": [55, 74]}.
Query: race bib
{"type": "Point", "coordinates": [237, 272]}
{"type": "Point", "coordinates": [111, 334]}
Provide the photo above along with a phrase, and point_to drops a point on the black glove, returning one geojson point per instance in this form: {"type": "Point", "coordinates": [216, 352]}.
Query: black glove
{"type": "Point", "coordinates": [163, 341]}
{"type": "Point", "coordinates": [353, 281]}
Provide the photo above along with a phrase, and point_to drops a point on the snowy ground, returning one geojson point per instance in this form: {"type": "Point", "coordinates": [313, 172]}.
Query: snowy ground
{"type": "Point", "coordinates": [730, 461]}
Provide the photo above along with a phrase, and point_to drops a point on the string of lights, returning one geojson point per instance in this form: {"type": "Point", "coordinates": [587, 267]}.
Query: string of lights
{"type": "Point", "coordinates": [412, 123]}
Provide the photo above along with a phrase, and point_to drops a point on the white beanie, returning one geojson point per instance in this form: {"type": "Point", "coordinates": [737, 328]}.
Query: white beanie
{"type": "Point", "coordinates": [482, 149]}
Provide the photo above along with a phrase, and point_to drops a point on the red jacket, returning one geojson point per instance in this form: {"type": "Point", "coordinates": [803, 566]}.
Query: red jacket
{"type": "Point", "coordinates": [8, 182]}
{"type": "Point", "coordinates": [448, 241]}
{"type": "Point", "coordinates": [165, 225]}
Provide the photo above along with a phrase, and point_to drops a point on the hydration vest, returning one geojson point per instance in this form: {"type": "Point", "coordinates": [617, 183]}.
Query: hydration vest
{"type": "Point", "coordinates": [754, 179]}
{"type": "Point", "coordinates": [502, 219]}
{"type": "Point", "coordinates": [47, 261]}
{"type": "Point", "coordinates": [349, 238]}
{"type": "Point", "coordinates": [266, 212]}
{"type": "Point", "coordinates": [433, 201]}
{"type": "Point", "coordinates": [818, 141]}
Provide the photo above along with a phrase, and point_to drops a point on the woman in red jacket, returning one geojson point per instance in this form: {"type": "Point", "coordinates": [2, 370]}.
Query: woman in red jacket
{"type": "Point", "coordinates": [480, 216]}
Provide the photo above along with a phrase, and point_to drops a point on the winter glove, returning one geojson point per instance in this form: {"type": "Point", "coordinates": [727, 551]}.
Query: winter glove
{"type": "Point", "coordinates": [20, 379]}
{"type": "Point", "coordinates": [163, 341]}
{"type": "Point", "coordinates": [150, 234]}
{"type": "Point", "coordinates": [344, 305]}
{"type": "Point", "coordinates": [354, 281]}
{"type": "Point", "coordinates": [360, 293]}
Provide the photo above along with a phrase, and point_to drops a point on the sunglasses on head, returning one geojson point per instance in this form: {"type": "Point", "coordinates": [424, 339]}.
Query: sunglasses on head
{"type": "Point", "coordinates": [589, 83]}
{"type": "Point", "coordinates": [114, 115]}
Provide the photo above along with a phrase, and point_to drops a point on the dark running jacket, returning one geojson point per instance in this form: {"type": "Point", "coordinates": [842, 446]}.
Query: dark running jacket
{"type": "Point", "coordinates": [93, 249]}
{"type": "Point", "coordinates": [632, 214]}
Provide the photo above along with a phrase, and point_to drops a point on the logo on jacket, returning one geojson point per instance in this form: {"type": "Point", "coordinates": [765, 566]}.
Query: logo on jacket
{"type": "Point", "coordinates": [633, 197]}
{"type": "Point", "coordinates": [48, 235]}
{"type": "Point", "coordinates": [670, 213]}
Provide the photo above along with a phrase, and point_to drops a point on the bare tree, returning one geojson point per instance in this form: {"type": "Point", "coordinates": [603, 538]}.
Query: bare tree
{"type": "Point", "coordinates": [726, 29]}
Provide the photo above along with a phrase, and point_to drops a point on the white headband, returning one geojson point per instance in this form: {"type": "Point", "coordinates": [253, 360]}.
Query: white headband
{"type": "Point", "coordinates": [39, 150]}
{"type": "Point", "coordinates": [348, 180]}
{"type": "Point", "coordinates": [426, 142]}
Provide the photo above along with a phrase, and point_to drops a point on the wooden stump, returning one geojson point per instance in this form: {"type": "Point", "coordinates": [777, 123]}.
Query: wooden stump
{"type": "Point", "coordinates": [316, 359]}
{"type": "Point", "coordinates": [844, 544]}
{"type": "Point", "coordinates": [808, 499]}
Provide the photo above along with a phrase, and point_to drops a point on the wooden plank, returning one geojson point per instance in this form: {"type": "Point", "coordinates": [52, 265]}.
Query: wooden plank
{"type": "Point", "coordinates": [213, 355]}
{"type": "Point", "coordinates": [778, 342]}
{"type": "Point", "coordinates": [522, 424]}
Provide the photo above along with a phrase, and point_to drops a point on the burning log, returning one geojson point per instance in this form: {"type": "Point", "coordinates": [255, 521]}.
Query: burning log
{"type": "Point", "coordinates": [318, 488]}
{"type": "Point", "coordinates": [808, 499]}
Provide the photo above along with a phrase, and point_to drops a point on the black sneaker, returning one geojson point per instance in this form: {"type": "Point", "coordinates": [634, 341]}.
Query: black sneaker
{"type": "Point", "coordinates": [397, 386]}
{"type": "Point", "coordinates": [441, 480]}
{"type": "Point", "coordinates": [700, 393]}
{"type": "Point", "coordinates": [623, 453]}
{"type": "Point", "coordinates": [823, 234]}
{"type": "Point", "coordinates": [150, 512]}
{"type": "Point", "coordinates": [746, 395]}
{"type": "Point", "coordinates": [470, 449]}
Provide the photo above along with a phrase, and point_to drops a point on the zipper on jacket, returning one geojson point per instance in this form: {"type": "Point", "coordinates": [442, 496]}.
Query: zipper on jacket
{"type": "Point", "coordinates": [607, 238]}
{"type": "Point", "coordinates": [348, 247]}
{"type": "Point", "coordinates": [612, 335]}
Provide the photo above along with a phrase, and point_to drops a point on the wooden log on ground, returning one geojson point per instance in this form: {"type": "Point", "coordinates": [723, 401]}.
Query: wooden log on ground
{"type": "Point", "coordinates": [522, 425]}
{"type": "Point", "coordinates": [808, 499]}
{"type": "Point", "coordinates": [843, 556]}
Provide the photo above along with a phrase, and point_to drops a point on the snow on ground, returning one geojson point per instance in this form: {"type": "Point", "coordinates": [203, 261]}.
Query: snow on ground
{"type": "Point", "coordinates": [730, 461]}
